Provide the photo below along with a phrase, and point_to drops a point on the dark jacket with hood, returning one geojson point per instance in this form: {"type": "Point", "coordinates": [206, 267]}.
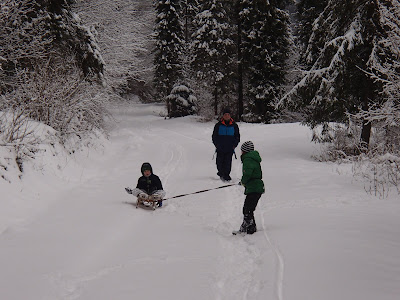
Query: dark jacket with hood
{"type": "Point", "coordinates": [149, 184]}
{"type": "Point", "coordinates": [226, 136]}
{"type": "Point", "coordinates": [252, 174]}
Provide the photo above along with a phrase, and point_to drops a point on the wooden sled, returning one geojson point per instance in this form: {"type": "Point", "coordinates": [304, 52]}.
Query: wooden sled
{"type": "Point", "coordinates": [149, 202]}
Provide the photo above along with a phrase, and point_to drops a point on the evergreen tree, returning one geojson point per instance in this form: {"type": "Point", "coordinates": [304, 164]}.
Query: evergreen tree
{"type": "Point", "coordinates": [45, 56]}
{"type": "Point", "coordinates": [169, 35]}
{"type": "Point", "coordinates": [189, 9]}
{"type": "Point", "coordinates": [34, 30]}
{"type": "Point", "coordinates": [72, 36]}
{"type": "Point", "coordinates": [307, 12]}
{"type": "Point", "coordinates": [213, 50]}
{"type": "Point", "coordinates": [181, 102]}
{"type": "Point", "coordinates": [265, 47]}
{"type": "Point", "coordinates": [385, 117]}
{"type": "Point", "coordinates": [349, 37]}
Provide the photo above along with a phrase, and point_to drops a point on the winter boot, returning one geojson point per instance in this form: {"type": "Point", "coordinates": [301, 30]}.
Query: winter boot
{"type": "Point", "coordinates": [251, 227]}
{"type": "Point", "coordinates": [159, 203]}
{"type": "Point", "coordinates": [243, 227]}
{"type": "Point", "coordinates": [227, 178]}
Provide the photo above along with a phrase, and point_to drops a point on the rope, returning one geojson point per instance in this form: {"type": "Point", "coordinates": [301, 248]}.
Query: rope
{"type": "Point", "coordinates": [220, 187]}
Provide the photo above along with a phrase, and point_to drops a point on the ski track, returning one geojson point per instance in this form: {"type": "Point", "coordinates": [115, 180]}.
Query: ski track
{"type": "Point", "coordinates": [172, 164]}
{"type": "Point", "coordinates": [71, 287]}
{"type": "Point", "coordinates": [186, 136]}
{"type": "Point", "coordinates": [279, 258]}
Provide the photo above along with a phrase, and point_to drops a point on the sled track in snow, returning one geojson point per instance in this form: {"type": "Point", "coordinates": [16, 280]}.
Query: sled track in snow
{"type": "Point", "coordinates": [280, 261]}
{"type": "Point", "coordinates": [185, 136]}
{"type": "Point", "coordinates": [172, 164]}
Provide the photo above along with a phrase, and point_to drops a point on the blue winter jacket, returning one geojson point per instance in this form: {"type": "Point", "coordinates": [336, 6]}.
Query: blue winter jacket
{"type": "Point", "coordinates": [226, 136]}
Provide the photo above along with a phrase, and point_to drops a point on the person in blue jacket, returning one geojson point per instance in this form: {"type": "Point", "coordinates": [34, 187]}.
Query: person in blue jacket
{"type": "Point", "coordinates": [225, 137]}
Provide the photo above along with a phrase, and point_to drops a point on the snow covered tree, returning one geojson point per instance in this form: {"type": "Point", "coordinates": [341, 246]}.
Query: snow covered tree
{"type": "Point", "coordinates": [345, 46]}
{"type": "Point", "coordinates": [189, 9]}
{"type": "Point", "coordinates": [46, 57]}
{"type": "Point", "coordinates": [24, 39]}
{"type": "Point", "coordinates": [265, 47]}
{"type": "Point", "coordinates": [385, 115]}
{"type": "Point", "coordinates": [31, 30]}
{"type": "Point", "coordinates": [124, 33]}
{"type": "Point", "coordinates": [181, 102]}
{"type": "Point", "coordinates": [70, 34]}
{"type": "Point", "coordinates": [307, 12]}
{"type": "Point", "coordinates": [213, 51]}
{"type": "Point", "coordinates": [169, 35]}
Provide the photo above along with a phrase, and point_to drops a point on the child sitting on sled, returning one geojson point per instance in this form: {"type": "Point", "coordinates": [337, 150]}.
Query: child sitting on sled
{"type": "Point", "coordinates": [149, 186]}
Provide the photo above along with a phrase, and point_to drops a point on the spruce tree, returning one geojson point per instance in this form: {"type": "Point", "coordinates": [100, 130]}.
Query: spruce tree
{"type": "Point", "coordinates": [189, 10]}
{"type": "Point", "coordinates": [307, 12]}
{"type": "Point", "coordinates": [169, 35]}
{"type": "Point", "coordinates": [385, 116]}
{"type": "Point", "coordinates": [72, 36]}
{"type": "Point", "coordinates": [345, 47]}
{"type": "Point", "coordinates": [213, 50]}
{"type": "Point", "coordinates": [265, 48]}
{"type": "Point", "coordinates": [34, 31]}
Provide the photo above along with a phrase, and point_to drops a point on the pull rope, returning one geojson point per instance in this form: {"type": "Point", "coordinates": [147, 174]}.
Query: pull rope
{"type": "Point", "coordinates": [220, 187]}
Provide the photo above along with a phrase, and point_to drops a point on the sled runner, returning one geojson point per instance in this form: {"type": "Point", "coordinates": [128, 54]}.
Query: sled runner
{"type": "Point", "coordinates": [238, 232]}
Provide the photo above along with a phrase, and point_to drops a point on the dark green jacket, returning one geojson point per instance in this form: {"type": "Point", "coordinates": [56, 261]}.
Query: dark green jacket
{"type": "Point", "coordinates": [252, 174]}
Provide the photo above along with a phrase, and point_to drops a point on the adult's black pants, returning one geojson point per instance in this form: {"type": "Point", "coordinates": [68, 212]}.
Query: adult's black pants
{"type": "Point", "coordinates": [224, 163]}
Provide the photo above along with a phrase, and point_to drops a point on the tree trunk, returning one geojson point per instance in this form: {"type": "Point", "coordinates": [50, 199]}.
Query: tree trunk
{"type": "Point", "coordinates": [365, 134]}
{"type": "Point", "coordinates": [368, 96]}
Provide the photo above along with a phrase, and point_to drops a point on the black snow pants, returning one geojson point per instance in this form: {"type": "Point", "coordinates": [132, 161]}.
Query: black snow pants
{"type": "Point", "coordinates": [224, 164]}
{"type": "Point", "coordinates": [250, 204]}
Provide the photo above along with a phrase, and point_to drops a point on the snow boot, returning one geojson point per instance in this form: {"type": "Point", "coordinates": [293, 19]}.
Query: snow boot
{"type": "Point", "coordinates": [242, 230]}
{"type": "Point", "coordinates": [250, 222]}
{"type": "Point", "coordinates": [251, 227]}
{"type": "Point", "coordinates": [243, 227]}
{"type": "Point", "coordinates": [227, 178]}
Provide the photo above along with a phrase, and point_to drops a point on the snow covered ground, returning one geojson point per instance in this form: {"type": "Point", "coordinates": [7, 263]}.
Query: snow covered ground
{"type": "Point", "coordinates": [68, 230]}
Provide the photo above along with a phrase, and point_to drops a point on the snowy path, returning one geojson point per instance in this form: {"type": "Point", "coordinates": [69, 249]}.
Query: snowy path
{"type": "Point", "coordinates": [320, 235]}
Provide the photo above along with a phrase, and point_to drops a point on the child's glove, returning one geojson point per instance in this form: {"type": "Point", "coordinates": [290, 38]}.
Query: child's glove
{"type": "Point", "coordinates": [143, 196]}
{"type": "Point", "coordinates": [128, 190]}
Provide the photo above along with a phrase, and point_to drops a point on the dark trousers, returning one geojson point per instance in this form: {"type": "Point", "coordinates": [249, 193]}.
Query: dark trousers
{"type": "Point", "coordinates": [224, 163]}
{"type": "Point", "coordinates": [250, 204]}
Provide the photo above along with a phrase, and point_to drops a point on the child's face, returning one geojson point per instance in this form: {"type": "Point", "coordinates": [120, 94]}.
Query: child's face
{"type": "Point", "coordinates": [146, 173]}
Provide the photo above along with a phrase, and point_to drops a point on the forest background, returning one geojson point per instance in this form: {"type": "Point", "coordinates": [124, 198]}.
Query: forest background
{"type": "Point", "coordinates": [332, 65]}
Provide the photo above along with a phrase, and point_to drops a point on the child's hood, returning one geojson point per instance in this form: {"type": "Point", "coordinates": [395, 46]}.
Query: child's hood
{"type": "Point", "coordinates": [146, 166]}
{"type": "Point", "coordinates": [254, 155]}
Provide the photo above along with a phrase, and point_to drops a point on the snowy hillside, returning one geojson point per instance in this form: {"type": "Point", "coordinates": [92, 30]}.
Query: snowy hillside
{"type": "Point", "coordinates": [68, 230]}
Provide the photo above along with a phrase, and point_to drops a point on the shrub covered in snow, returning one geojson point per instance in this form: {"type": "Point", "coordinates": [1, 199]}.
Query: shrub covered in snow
{"type": "Point", "coordinates": [181, 102]}
{"type": "Point", "coordinates": [379, 164]}
{"type": "Point", "coordinates": [55, 94]}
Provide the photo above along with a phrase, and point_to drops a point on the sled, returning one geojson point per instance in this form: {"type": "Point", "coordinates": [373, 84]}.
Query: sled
{"type": "Point", "coordinates": [149, 202]}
